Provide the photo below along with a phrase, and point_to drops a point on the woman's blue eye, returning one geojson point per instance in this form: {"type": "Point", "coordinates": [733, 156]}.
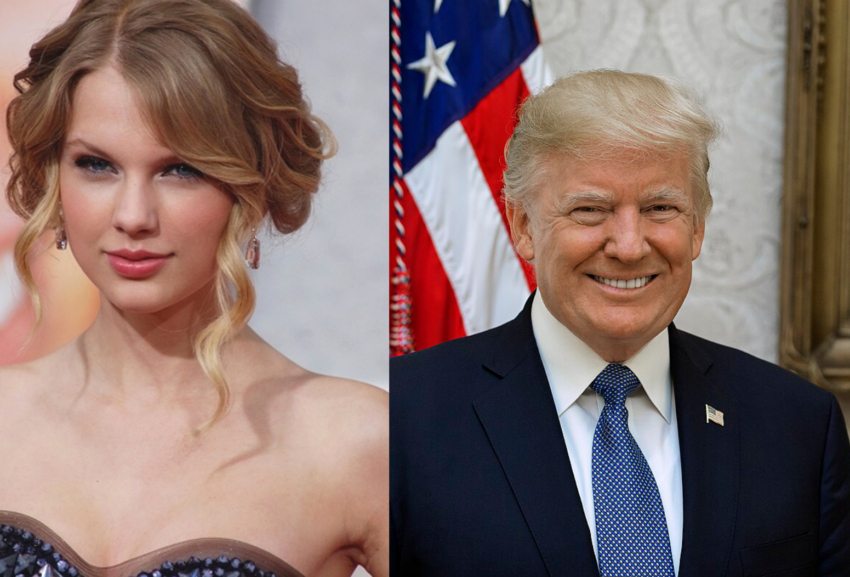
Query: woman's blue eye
{"type": "Point", "coordinates": [183, 171]}
{"type": "Point", "coordinates": [92, 164]}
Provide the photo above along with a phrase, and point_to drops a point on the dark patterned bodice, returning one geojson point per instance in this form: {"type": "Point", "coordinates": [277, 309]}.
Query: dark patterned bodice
{"type": "Point", "coordinates": [28, 548]}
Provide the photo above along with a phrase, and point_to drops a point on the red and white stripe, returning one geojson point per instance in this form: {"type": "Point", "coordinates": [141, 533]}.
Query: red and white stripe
{"type": "Point", "coordinates": [456, 193]}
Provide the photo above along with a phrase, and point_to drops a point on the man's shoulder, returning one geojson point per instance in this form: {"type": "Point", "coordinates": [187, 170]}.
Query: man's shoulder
{"type": "Point", "coordinates": [460, 367]}
{"type": "Point", "coordinates": [462, 354]}
{"type": "Point", "coordinates": [715, 353]}
{"type": "Point", "coordinates": [747, 373]}
{"type": "Point", "coordinates": [463, 348]}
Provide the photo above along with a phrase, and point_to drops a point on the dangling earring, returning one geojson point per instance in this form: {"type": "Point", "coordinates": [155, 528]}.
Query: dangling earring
{"type": "Point", "coordinates": [61, 238]}
{"type": "Point", "coordinates": [252, 254]}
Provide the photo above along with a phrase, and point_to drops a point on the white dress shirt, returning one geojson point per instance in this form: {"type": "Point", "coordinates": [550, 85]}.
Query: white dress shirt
{"type": "Point", "coordinates": [571, 366]}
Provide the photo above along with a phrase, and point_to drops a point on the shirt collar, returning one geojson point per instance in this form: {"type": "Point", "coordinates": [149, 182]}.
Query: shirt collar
{"type": "Point", "coordinates": [571, 365]}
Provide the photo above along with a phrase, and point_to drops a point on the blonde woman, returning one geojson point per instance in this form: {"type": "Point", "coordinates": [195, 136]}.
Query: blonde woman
{"type": "Point", "coordinates": [154, 138]}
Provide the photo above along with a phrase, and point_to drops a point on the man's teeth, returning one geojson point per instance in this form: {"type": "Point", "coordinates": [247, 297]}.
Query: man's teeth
{"type": "Point", "coordinates": [623, 284]}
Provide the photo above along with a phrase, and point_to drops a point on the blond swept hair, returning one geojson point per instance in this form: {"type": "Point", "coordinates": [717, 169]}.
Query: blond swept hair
{"type": "Point", "coordinates": [599, 114]}
{"type": "Point", "coordinates": [212, 89]}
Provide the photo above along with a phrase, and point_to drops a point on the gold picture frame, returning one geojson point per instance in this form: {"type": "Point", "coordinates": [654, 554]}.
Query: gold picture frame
{"type": "Point", "coordinates": [815, 267]}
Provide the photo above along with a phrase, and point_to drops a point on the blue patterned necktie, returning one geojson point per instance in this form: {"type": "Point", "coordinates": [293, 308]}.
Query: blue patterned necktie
{"type": "Point", "coordinates": [631, 530]}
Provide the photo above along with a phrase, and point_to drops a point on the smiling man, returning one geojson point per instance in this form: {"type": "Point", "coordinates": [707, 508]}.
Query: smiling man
{"type": "Point", "coordinates": [589, 436]}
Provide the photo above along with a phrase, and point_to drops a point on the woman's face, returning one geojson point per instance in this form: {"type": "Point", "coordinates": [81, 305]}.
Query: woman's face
{"type": "Point", "coordinates": [143, 225]}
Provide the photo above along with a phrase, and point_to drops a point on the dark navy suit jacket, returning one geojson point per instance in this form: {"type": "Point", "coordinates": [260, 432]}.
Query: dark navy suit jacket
{"type": "Point", "coordinates": [481, 484]}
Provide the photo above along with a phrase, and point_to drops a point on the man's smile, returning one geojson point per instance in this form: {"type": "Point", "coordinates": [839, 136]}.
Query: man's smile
{"type": "Point", "coordinates": [633, 283]}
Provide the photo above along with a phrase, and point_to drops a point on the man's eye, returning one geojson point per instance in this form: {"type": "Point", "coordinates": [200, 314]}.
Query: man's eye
{"type": "Point", "coordinates": [589, 215]}
{"type": "Point", "coordinates": [92, 164]}
{"type": "Point", "coordinates": [183, 170]}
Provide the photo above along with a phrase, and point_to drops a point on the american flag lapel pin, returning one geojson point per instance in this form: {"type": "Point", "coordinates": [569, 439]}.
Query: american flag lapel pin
{"type": "Point", "coordinates": [712, 415]}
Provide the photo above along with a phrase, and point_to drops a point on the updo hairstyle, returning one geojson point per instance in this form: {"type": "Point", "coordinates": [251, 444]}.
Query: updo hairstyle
{"type": "Point", "coordinates": [212, 89]}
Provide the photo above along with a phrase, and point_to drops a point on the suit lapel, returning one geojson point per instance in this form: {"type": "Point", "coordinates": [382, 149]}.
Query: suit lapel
{"type": "Point", "coordinates": [710, 458]}
{"type": "Point", "coordinates": [520, 420]}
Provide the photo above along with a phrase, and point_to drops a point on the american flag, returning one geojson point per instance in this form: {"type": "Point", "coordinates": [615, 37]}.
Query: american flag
{"type": "Point", "coordinates": [458, 70]}
{"type": "Point", "coordinates": [712, 415]}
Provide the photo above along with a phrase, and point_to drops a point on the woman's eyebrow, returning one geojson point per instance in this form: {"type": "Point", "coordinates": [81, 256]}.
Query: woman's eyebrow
{"type": "Point", "coordinates": [87, 145]}
{"type": "Point", "coordinates": [167, 157]}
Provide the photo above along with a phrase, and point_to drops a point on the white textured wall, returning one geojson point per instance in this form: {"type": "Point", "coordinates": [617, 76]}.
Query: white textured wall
{"type": "Point", "coordinates": [323, 293]}
{"type": "Point", "coordinates": [733, 53]}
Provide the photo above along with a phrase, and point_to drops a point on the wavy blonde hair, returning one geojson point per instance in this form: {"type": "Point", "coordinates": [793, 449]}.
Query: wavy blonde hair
{"type": "Point", "coordinates": [599, 114]}
{"type": "Point", "coordinates": [212, 89]}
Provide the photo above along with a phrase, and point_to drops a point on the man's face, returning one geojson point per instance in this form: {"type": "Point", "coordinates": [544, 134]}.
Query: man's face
{"type": "Point", "coordinates": [612, 242]}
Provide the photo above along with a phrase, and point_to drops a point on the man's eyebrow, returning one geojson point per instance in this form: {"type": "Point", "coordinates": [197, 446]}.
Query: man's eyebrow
{"type": "Point", "coordinates": [668, 194]}
{"type": "Point", "coordinates": [572, 199]}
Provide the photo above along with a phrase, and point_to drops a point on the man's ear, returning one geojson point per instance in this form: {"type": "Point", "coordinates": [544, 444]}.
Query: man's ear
{"type": "Point", "coordinates": [520, 230]}
{"type": "Point", "coordinates": [699, 235]}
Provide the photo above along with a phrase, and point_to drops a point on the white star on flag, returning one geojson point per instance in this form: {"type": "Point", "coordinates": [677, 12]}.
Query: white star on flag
{"type": "Point", "coordinates": [437, 4]}
{"type": "Point", "coordinates": [503, 6]}
{"type": "Point", "coordinates": [433, 64]}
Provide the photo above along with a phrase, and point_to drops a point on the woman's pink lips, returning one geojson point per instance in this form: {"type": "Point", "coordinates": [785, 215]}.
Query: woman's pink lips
{"type": "Point", "coordinates": [136, 266]}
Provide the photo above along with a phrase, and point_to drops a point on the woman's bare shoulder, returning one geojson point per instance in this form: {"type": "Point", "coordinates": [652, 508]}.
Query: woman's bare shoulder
{"type": "Point", "coordinates": [335, 402]}
{"type": "Point", "coordinates": [345, 407]}
{"type": "Point", "coordinates": [328, 413]}
{"type": "Point", "coordinates": [341, 396]}
{"type": "Point", "coordinates": [31, 385]}
{"type": "Point", "coordinates": [29, 375]}
{"type": "Point", "coordinates": [18, 380]}
{"type": "Point", "coordinates": [355, 411]}
{"type": "Point", "coordinates": [331, 441]}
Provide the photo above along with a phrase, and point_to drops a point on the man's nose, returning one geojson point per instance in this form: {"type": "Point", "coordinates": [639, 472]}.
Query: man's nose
{"type": "Point", "coordinates": [135, 207]}
{"type": "Point", "coordinates": [625, 237]}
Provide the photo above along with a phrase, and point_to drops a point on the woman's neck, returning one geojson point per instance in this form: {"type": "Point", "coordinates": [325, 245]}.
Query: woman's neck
{"type": "Point", "coordinates": [130, 354]}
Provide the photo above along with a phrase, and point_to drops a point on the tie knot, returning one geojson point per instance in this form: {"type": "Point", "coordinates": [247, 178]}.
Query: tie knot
{"type": "Point", "coordinates": [614, 383]}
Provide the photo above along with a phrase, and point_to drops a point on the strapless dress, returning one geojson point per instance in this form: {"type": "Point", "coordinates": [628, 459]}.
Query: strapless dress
{"type": "Point", "coordinates": [28, 548]}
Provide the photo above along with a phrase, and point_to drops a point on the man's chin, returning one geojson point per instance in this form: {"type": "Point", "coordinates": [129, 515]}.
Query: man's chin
{"type": "Point", "coordinates": [617, 341]}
